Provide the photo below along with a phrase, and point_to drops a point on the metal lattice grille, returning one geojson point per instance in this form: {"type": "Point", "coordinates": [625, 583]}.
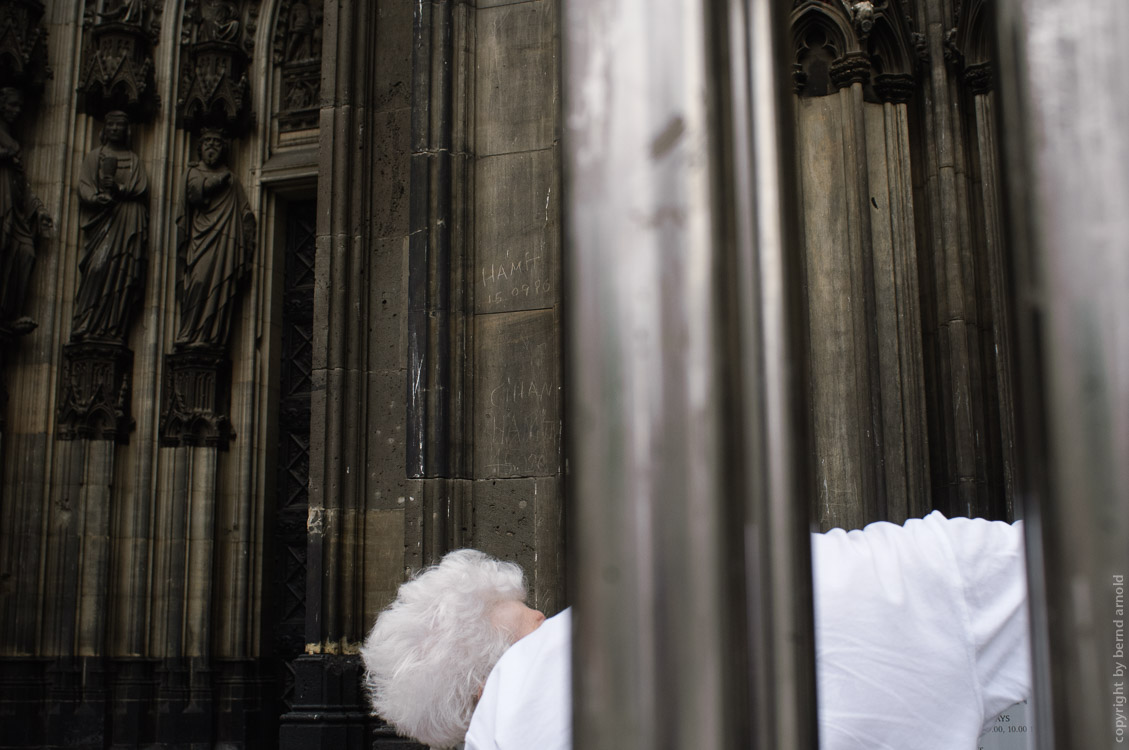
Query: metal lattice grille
{"type": "Point", "coordinates": [294, 439]}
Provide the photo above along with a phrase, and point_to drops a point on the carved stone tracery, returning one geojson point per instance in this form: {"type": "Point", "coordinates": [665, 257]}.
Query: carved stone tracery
{"type": "Point", "coordinates": [195, 396]}
{"type": "Point", "coordinates": [838, 44]}
{"type": "Point", "coordinates": [968, 49]}
{"type": "Point", "coordinates": [23, 46]}
{"type": "Point", "coordinates": [95, 392]}
{"type": "Point", "coordinates": [217, 39]}
{"type": "Point", "coordinates": [297, 52]}
{"type": "Point", "coordinates": [117, 64]}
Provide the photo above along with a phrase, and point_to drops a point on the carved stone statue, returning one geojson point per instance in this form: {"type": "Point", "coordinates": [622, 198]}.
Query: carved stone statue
{"type": "Point", "coordinates": [113, 191]}
{"type": "Point", "coordinates": [217, 241]}
{"type": "Point", "coordinates": [300, 40]}
{"type": "Point", "coordinates": [23, 221]}
{"type": "Point", "coordinates": [224, 24]}
{"type": "Point", "coordinates": [127, 11]}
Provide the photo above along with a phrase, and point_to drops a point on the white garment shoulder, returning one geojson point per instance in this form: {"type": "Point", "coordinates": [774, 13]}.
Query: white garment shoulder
{"type": "Point", "coordinates": [528, 697]}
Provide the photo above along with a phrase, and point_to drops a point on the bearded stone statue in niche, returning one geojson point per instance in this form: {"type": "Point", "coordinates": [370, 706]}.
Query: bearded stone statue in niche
{"type": "Point", "coordinates": [114, 194]}
{"type": "Point", "coordinates": [23, 222]}
{"type": "Point", "coordinates": [217, 242]}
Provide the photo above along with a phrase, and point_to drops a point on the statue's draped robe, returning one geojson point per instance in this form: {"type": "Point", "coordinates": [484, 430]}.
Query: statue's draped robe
{"type": "Point", "coordinates": [19, 214]}
{"type": "Point", "coordinates": [215, 248]}
{"type": "Point", "coordinates": [113, 252]}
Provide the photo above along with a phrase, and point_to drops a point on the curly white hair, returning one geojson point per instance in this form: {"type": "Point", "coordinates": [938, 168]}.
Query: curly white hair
{"type": "Point", "coordinates": [431, 650]}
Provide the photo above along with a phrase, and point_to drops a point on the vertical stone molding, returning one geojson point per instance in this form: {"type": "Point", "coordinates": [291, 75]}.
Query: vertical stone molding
{"type": "Point", "coordinates": [855, 69]}
{"type": "Point", "coordinates": [117, 60]}
{"type": "Point", "coordinates": [971, 39]}
{"type": "Point", "coordinates": [326, 707]}
{"type": "Point", "coordinates": [965, 321]}
{"type": "Point", "coordinates": [217, 37]}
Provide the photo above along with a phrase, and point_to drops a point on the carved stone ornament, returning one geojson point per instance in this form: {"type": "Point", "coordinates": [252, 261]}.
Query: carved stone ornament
{"type": "Point", "coordinates": [113, 194]}
{"type": "Point", "coordinates": [799, 78]}
{"type": "Point", "coordinates": [861, 13]}
{"type": "Point", "coordinates": [954, 56]}
{"type": "Point", "coordinates": [853, 67]}
{"type": "Point", "coordinates": [297, 51]}
{"type": "Point", "coordinates": [216, 42]}
{"type": "Point", "coordinates": [95, 392]}
{"type": "Point", "coordinates": [215, 246]}
{"type": "Point", "coordinates": [23, 46]}
{"type": "Point", "coordinates": [194, 399]}
{"type": "Point", "coordinates": [117, 62]}
{"type": "Point", "coordinates": [894, 87]}
{"type": "Point", "coordinates": [979, 78]}
{"type": "Point", "coordinates": [25, 227]}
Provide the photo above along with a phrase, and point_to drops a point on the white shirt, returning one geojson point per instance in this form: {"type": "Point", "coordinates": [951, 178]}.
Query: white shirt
{"type": "Point", "coordinates": [921, 639]}
{"type": "Point", "coordinates": [527, 701]}
{"type": "Point", "coordinates": [921, 632]}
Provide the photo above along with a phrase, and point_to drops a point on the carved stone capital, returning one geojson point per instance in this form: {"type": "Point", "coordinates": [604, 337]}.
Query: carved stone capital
{"type": "Point", "coordinates": [851, 68]}
{"type": "Point", "coordinates": [195, 398]}
{"type": "Point", "coordinates": [894, 87]}
{"type": "Point", "coordinates": [979, 78]}
{"type": "Point", "coordinates": [95, 392]}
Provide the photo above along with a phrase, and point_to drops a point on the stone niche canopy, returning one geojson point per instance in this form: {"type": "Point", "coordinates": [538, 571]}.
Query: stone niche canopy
{"type": "Point", "coordinates": [23, 46]}
{"type": "Point", "coordinates": [217, 39]}
{"type": "Point", "coordinates": [117, 60]}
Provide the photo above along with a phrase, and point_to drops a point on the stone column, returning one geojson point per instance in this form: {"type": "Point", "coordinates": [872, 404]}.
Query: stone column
{"type": "Point", "coordinates": [329, 709]}
{"type": "Point", "coordinates": [978, 78]}
{"type": "Point", "coordinates": [899, 371]}
{"type": "Point", "coordinates": [954, 333]}
{"type": "Point", "coordinates": [854, 74]}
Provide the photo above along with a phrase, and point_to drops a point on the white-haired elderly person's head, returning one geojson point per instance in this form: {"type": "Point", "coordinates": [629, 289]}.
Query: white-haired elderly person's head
{"type": "Point", "coordinates": [430, 652]}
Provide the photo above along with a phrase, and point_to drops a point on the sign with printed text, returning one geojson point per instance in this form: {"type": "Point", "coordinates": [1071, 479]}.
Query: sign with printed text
{"type": "Point", "coordinates": [1010, 731]}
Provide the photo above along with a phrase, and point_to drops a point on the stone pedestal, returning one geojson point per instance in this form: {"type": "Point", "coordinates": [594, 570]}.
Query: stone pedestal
{"type": "Point", "coordinates": [195, 399]}
{"type": "Point", "coordinates": [76, 696]}
{"type": "Point", "coordinates": [95, 392]}
{"type": "Point", "coordinates": [22, 691]}
{"type": "Point", "coordinates": [330, 708]}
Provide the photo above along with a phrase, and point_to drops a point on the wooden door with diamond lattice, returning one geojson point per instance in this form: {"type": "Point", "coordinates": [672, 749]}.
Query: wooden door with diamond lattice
{"type": "Point", "coordinates": [294, 441]}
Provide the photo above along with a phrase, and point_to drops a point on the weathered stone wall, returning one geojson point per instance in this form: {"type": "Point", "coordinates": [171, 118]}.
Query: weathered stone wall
{"type": "Point", "coordinates": [907, 305]}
